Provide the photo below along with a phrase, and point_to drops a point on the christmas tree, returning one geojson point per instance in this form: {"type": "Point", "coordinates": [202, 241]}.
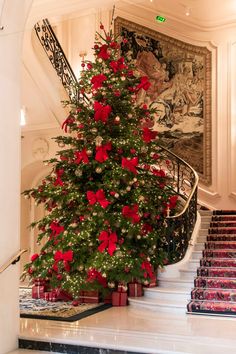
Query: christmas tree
{"type": "Point", "coordinates": [106, 199]}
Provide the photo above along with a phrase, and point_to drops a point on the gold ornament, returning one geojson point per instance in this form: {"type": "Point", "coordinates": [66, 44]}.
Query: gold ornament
{"type": "Point", "coordinates": [98, 170]}
{"type": "Point", "coordinates": [117, 119]}
{"type": "Point", "coordinates": [98, 140]}
{"type": "Point", "coordinates": [89, 152]}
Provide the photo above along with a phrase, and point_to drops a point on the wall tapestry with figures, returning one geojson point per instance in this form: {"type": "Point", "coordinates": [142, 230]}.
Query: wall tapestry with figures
{"type": "Point", "coordinates": [180, 74]}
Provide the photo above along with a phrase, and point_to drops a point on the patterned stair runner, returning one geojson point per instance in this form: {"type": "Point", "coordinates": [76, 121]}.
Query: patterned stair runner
{"type": "Point", "coordinates": [215, 285]}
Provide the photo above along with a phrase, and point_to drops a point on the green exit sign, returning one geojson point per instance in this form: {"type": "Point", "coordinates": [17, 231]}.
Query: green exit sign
{"type": "Point", "coordinates": [160, 19]}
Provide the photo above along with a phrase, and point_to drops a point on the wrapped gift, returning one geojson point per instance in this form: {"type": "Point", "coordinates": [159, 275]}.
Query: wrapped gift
{"type": "Point", "coordinates": [108, 298]}
{"type": "Point", "coordinates": [47, 295]}
{"type": "Point", "coordinates": [135, 289]}
{"type": "Point", "coordinates": [40, 282]}
{"type": "Point", "coordinates": [122, 288]}
{"type": "Point", "coordinates": [38, 292]}
{"type": "Point", "coordinates": [62, 295]}
{"type": "Point", "coordinates": [152, 282]}
{"type": "Point", "coordinates": [52, 296]}
{"type": "Point", "coordinates": [119, 298]}
{"type": "Point", "coordinates": [89, 296]}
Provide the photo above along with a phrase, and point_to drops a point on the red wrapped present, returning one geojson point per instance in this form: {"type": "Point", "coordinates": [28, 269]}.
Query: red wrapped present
{"type": "Point", "coordinates": [40, 282]}
{"type": "Point", "coordinates": [135, 289]}
{"type": "Point", "coordinates": [108, 298]}
{"type": "Point", "coordinates": [89, 296]}
{"type": "Point", "coordinates": [47, 295]}
{"type": "Point", "coordinates": [62, 295]}
{"type": "Point", "coordinates": [52, 296]}
{"type": "Point", "coordinates": [38, 292]}
{"type": "Point", "coordinates": [122, 288]}
{"type": "Point", "coordinates": [152, 282]}
{"type": "Point", "coordinates": [119, 299]}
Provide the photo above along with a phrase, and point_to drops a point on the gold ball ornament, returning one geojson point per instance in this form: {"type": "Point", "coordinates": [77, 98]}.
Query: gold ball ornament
{"type": "Point", "coordinates": [98, 170]}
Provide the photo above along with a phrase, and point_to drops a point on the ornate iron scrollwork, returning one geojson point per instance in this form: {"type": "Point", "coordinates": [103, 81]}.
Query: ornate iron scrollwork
{"type": "Point", "coordinates": [179, 227]}
{"type": "Point", "coordinates": [56, 56]}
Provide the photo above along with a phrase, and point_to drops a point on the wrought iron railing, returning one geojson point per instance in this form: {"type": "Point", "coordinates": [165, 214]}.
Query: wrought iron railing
{"type": "Point", "coordinates": [179, 227]}
{"type": "Point", "coordinates": [183, 178]}
{"type": "Point", "coordinates": [56, 56]}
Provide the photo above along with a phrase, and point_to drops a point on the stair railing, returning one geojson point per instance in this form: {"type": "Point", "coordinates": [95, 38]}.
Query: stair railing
{"type": "Point", "coordinates": [179, 227]}
{"type": "Point", "coordinates": [183, 177]}
{"type": "Point", "coordinates": [13, 260]}
{"type": "Point", "coordinates": [57, 57]}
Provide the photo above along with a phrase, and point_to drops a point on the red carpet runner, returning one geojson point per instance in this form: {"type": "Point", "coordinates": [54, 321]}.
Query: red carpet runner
{"type": "Point", "coordinates": [215, 285]}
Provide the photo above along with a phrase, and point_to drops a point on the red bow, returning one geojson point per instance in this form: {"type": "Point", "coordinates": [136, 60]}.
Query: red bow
{"type": "Point", "coordinates": [93, 274]}
{"type": "Point", "coordinates": [109, 242]}
{"type": "Point", "coordinates": [101, 154]}
{"type": "Point", "coordinates": [98, 80]}
{"type": "Point", "coordinates": [103, 52]}
{"type": "Point", "coordinates": [172, 201]}
{"type": "Point", "coordinates": [144, 84]}
{"type": "Point", "coordinates": [131, 213]}
{"type": "Point", "coordinates": [98, 197]}
{"type": "Point", "coordinates": [81, 156]}
{"type": "Point", "coordinates": [117, 65]}
{"type": "Point", "coordinates": [58, 180]}
{"type": "Point", "coordinates": [148, 135]}
{"type": "Point", "coordinates": [101, 112]}
{"type": "Point", "coordinates": [130, 164]}
{"type": "Point", "coordinates": [65, 257]}
{"type": "Point", "coordinates": [68, 121]}
{"type": "Point", "coordinates": [56, 228]}
{"type": "Point", "coordinates": [147, 267]}
{"type": "Point", "coordinates": [158, 173]}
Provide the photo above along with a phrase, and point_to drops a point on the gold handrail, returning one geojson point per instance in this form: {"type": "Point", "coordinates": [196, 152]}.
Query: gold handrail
{"type": "Point", "coordinates": [13, 260]}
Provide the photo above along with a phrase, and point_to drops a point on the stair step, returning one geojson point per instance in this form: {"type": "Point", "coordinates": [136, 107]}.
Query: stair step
{"type": "Point", "coordinates": [220, 245]}
{"type": "Point", "coordinates": [158, 305]}
{"type": "Point", "coordinates": [199, 246]}
{"type": "Point", "coordinates": [202, 239]}
{"type": "Point", "coordinates": [216, 283]}
{"type": "Point", "coordinates": [222, 230]}
{"type": "Point", "coordinates": [183, 284]}
{"type": "Point", "coordinates": [212, 307]}
{"type": "Point", "coordinates": [226, 272]}
{"type": "Point", "coordinates": [224, 212]}
{"type": "Point", "coordinates": [224, 218]}
{"type": "Point", "coordinates": [203, 232]}
{"type": "Point", "coordinates": [196, 255]}
{"type": "Point", "coordinates": [221, 237]}
{"type": "Point", "coordinates": [218, 262]}
{"type": "Point", "coordinates": [205, 212]}
{"type": "Point", "coordinates": [170, 293]}
{"type": "Point", "coordinates": [225, 224]}
{"type": "Point", "coordinates": [214, 294]}
{"type": "Point", "coordinates": [216, 253]}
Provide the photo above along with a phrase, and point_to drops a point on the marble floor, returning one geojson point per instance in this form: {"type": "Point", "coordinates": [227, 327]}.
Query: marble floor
{"type": "Point", "coordinates": [140, 331]}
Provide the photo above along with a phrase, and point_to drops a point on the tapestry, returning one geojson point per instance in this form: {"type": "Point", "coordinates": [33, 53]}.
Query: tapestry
{"type": "Point", "coordinates": [180, 76]}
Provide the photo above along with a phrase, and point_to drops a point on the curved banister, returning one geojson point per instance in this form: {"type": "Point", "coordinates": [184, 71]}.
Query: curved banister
{"type": "Point", "coordinates": [179, 226]}
{"type": "Point", "coordinates": [13, 260]}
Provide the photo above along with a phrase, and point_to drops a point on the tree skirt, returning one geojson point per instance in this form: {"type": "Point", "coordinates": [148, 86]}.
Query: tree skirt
{"type": "Point", "coordinates": [57, 311]}
{"type": "Point", "coordinates": [215, 283]}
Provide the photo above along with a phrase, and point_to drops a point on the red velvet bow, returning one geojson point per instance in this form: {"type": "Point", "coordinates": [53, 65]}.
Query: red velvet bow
{"type": "Point", "coordinates": [117, 65]}
{"type": "Point", "coordinates": [101, 112]}
{"type": "Point", "coordinates": [98, 80]}
{"type": "Point", "coordinates": [66, 257]}
{"type": "Point", "coordinates": [131, 213]}
{"type": "Point", "coordinates": [101, 152]}
{"type": "Point", "coordinates": [109, 242]}
{"type": "Point", "coordinates": [58, 180]}
{"type": "Point", "coordinates": [81, 156]}
{"type": "Point", "coordinates": [56, 228]}
{"type": "Point", "coordinates": [148, 135]}
{"type": "Point", "coordinates": [103, 54]}
{"type": "Point", "coordinates": [98, 197]}
{"type": "Point", "coordinates": [68, 121]}
{"type": "Point", "coordinates": [147, 267]}
{"type": "Point", "coordinates": [144, 84]}
{"type": "Point", "coordinates": [130, 164]}
{"type": "Point", "coordinates": [93, 274]}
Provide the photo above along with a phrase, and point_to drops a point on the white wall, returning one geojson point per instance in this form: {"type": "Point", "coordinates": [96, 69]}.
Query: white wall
{"type": "Point", "coordinates": [13, 17]}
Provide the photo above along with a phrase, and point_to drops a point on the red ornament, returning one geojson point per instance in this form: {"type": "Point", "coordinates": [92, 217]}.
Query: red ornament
{"type": "Point", "coordinates": [34, 257]}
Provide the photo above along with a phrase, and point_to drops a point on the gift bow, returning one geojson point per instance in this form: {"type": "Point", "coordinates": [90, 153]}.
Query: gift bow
{"type": "Point", "coordinates": [109, 242]}
{"type": "Point", "coordinates": [131, 213]}
{"type": "Point", "coordinates": [56, 228]}
{"type": "Point", "coordinates": [101, 112]}
{"type": "Point", "coordinates": [103, 53]}
{"type": "Point", "coordinates": [130, 164]}
{"type": "Point", "coordinates": [101, 152]}
{"type": "Point", "coordinates": [98, 80]}
{"type": "Point", "coordinates": [81, 156]}
{"type": "Point", "coordinates": [117, 65]}
{"type": "Point", "coordinates": [148, 135]}
{"type": "Point", "coordinates": [68, 121]}
{"type": "Point", "coordinates": [93, 274]}
{"type": "Point", "coordinates": [98, 197]}
{"type": "Point", "coordinates": [58, 180]}
{"type": "Point", "coordinates": [66, 257]}
{"type": "Point", "coordinates": [147, 267]}
{"type": "Point", "coordinates": [144, 84]}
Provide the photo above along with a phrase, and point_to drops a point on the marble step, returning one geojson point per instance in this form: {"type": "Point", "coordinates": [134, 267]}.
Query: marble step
{"type": "Point", "coordinates": [206, 212]}
{"type": "Point", "coordinates": [199, 246]}
{"type": "Point", "coordinates": [187, 273]}
{"type": "Point", "coordinates": [196, 255]}
{"type": "Point", "coordinates": [182, 284]}
{"type": "Point", "coordinates": [28, 351]}
{"type": "Point", "coordinates": [166, 293]}
{"type": "Point", "coordinates": [203, 232]}
{"type": "Point", "coordinates": [202, 239]}
{"type": "Point", "coordinates": [174, 306]}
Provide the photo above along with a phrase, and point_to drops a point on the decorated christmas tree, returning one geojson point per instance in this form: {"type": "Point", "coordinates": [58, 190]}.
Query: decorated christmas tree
{"type": "Point", "coordinates": [106, 199]}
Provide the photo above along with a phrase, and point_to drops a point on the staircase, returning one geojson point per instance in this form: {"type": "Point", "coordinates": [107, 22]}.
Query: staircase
{"type": "Point", "coordinates": [215, 284]}
{"type": "Point", "coordinates": [174, 288]}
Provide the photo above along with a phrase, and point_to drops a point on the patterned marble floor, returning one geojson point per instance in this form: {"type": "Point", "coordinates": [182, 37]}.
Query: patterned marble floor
{"type": "Point", "coordinates": [128, 329]}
